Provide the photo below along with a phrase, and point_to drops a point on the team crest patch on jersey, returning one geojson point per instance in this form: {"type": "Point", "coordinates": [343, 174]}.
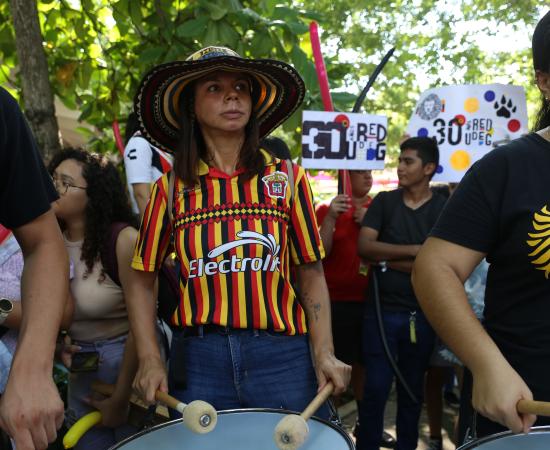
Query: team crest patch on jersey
{"type": "Point", "coordinates": [276, 184]}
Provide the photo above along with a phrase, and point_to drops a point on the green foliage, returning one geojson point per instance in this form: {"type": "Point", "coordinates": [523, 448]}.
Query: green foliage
{"type": "Point", "coordinates": [98, 50]}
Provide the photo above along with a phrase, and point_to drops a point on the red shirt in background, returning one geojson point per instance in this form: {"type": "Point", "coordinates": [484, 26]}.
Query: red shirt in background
{"type": "Point", "coordinates": [345, 282]}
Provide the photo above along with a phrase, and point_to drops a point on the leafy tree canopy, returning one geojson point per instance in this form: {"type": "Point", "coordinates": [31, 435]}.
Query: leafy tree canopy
{"type": "Point", "coordinates": [98, 49]}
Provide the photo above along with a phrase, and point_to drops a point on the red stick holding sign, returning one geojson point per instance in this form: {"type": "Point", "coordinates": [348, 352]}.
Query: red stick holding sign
{"type": "Point", "coordinates": [118, 137]}
{"type": "Point", "coordinates": [344, 184]}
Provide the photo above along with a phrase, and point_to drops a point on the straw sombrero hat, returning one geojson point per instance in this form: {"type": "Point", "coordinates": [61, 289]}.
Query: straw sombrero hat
{"type": "Point", "coordinates": [277, 91]}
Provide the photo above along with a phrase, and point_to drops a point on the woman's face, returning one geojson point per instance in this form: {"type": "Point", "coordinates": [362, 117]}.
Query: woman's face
{"type": "Point", "coordinates": [71, 186]}
{"type": "Point", "coordinates": [223, 102]}
{"type": "Point", "coordinates": [543, 82]}
{"type": "Point", "coordinates": [361, 182]}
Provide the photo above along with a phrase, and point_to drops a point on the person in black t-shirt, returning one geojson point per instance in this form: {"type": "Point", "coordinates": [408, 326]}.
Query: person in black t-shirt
{"type": "Point", "coordinates": [500, 210]}
{"type": "Point", "coordinates": [30, 409]}
{"type": "Point", "coordinates": [394, 227]}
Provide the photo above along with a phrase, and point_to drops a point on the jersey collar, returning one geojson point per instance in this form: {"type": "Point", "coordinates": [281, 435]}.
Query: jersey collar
{"type": "Point", "coordinates": [205, 169]}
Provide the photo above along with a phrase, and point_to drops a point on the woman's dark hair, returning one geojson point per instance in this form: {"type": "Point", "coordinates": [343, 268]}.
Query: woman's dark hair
{"type": "Point", "coordinates": [191, 147]}
{"type": "Point", "coordinates": [541, 61]}
{"type": "Point", "coordinates": [107, 202]}
{"type": "Point", "coordinates": [132, 125]}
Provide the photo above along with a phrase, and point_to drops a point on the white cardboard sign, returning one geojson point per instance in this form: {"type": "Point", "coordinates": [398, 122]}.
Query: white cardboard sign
{"type": "Point", "coordinates": [335, 140]}
{"type": "Point", "coordinates": [467, 122]}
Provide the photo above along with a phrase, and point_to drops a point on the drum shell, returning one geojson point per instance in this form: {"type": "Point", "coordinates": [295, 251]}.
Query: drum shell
{"type": "Point", "coordinates": [537, 439]}
{"type": "Point", "coordinates": [240, 429]}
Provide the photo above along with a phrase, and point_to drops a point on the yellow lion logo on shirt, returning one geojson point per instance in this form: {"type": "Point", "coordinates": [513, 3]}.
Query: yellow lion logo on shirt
{"type": "Point", "coordinates": [540, 241]}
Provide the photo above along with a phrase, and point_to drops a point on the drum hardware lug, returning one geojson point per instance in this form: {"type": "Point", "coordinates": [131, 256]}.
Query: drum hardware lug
{"type": "Point", "coordinates": [205, 420]}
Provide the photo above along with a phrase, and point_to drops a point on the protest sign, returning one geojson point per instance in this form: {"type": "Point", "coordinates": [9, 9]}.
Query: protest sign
{"type": "Point", "coordinates": [467, 122]}
{"type": "Point", "coordinates": [335, 140]}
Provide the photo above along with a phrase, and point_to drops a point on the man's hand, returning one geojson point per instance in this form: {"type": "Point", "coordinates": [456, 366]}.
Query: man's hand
{"type": "Point", "coordinates": [496, 391]}
{"type": "Point", "coordinates": [31, 410]}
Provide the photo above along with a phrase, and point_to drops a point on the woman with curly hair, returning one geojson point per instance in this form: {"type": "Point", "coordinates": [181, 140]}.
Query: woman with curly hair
{"type": "Point", "coordinates": [92, 202]}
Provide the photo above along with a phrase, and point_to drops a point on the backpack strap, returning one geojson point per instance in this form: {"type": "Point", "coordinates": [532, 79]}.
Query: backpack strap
{"type": "Point", "coordinates": [290, 169]}
{"type": "Point", "coordinates": [110, 262]}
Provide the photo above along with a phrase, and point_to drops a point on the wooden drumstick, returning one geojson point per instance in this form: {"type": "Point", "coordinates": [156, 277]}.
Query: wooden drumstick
{"type": "Point", "coordinates": [533, 407]}
{"type": "Point", "coordinates": [198, 416]}
{"type": "Point", "coordinates": [292, 430]}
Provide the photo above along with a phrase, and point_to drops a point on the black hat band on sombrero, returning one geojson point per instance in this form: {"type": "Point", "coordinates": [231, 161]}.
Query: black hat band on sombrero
{"type": "Point", "coordinates": [541, 44]}
{"type": "Point", "coordinates": [277, 91]}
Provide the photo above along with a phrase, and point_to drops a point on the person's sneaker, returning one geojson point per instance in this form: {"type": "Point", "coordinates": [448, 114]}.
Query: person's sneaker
{"type": "Point", "coordinates": [388, 441]}
{"type": "Point", "coordinates": [451, 399]}
{"type": "Point", "coordinates": [435, 444]}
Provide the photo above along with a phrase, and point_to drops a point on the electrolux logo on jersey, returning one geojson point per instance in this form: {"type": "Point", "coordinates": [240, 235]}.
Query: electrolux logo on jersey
{"type": "Point", "coordinates": [270, 263]}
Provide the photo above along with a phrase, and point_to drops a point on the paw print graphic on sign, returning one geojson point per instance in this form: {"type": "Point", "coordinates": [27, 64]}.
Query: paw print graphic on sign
{"type": "Point", "coordinates": [505, 108]}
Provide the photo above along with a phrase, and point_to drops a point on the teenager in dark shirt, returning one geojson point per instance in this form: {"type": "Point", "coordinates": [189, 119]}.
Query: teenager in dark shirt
{"type": "Point", "coordinates": [394, 227]}
{"type": "Point", "coordinates": [30, 408]}
{"type": "Point", "coordinates": [499, 211]}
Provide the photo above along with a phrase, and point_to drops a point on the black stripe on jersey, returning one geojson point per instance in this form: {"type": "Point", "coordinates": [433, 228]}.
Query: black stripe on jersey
{"type": "Point", "coordinates": [249, 296]}
{"type": "Point", "coordinates": [265, 286]}
{"type": "Point", "coordinates": [205, 234]}
{"type": "Point", "coordinates": [224, 185]}
{"type": "Point", "coordinates": [155, 161]}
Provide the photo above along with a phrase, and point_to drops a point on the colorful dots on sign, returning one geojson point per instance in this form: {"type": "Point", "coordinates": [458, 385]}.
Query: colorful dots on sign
{"type": "Point", "coordinates": [343, 119]}
{"type": "Point", "coordinates": [460, 160]}
{"type": "Point", "coordinates": [422, 132]}
{"type": "Point", "coordinates": [460, 119]}
{"type": "Point", "coordinates": [471, 104]}
{"type": "Point", "coordinates": [489, 96]}
{"type": "Point", "coordinates": [514, 125]}
{"type": "Point", "coordinates": [439, 169]}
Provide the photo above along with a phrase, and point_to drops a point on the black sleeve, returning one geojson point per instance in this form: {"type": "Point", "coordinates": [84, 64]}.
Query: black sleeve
{"type": "Point", "coordinates": [374, 217]}
{"type": "Point", "coordinates": [471, 216]}
{"type": "Point", "coordinates": [26, 190]}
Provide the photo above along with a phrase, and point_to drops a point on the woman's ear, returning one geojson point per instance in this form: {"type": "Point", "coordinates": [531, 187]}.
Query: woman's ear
{"type": "Point", "coordinates": [542, 79]}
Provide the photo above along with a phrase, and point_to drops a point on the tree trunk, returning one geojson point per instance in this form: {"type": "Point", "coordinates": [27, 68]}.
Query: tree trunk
{"type": "Point", "coordinates": [33, 66]}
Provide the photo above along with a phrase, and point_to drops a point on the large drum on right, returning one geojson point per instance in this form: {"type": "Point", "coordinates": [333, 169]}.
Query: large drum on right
{"type": "Point", "coordinates": [537, 439]}
{"type": "Point", "coordinates": [241, 429]}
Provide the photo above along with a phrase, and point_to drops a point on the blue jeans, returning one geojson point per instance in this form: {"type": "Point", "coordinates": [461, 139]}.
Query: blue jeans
{"type": "Point", "coordinates": [412, 361]}
{"type": "Point", "coordinates": [110, 358]}
{"type": "Point", "coordinates": [234, 368]}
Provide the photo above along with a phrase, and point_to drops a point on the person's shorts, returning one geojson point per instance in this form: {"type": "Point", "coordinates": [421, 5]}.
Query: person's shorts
{"type": "Point", "coordinates": [347, 325]}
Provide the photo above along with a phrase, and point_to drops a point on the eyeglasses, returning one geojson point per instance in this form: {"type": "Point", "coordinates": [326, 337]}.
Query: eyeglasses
{"type": "Point", "coordinates": [62, 186]}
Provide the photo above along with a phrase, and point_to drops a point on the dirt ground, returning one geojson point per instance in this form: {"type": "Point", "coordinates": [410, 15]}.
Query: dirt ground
{"type": "Point", "coordinates": [348, 414]}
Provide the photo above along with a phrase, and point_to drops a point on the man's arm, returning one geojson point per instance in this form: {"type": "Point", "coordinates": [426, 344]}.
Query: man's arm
{"type": "Point", "coordinates": [314, 298]}
{"type": "Point", "coordinates": [372, 250]}
{"type": "Point", "coordinates": [31, 410]}
{"type": "Point", "coordinates": [438, 277]}
{"type": "Point", "coordinates": [142, 192]}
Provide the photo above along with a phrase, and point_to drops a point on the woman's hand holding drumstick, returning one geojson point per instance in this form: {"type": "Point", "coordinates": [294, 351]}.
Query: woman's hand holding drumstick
{"type": "Point", "coordinates": [198, 416]}
{"type": "Point", "coordinates": [292, 431]}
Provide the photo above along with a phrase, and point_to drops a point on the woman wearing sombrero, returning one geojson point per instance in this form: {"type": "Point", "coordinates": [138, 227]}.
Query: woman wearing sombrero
{"type": "Point", "coordinates": [241, 217]}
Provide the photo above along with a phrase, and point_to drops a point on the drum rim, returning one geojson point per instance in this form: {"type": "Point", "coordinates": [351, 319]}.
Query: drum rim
{"type": "Point", "coordinates": [336, 428]}
{"type": "Point", "coordinates": [493, 437]}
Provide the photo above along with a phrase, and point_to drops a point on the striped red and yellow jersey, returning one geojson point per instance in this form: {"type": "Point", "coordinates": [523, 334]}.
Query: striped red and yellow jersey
{"type": "Point", "coordinates": [235, 240]}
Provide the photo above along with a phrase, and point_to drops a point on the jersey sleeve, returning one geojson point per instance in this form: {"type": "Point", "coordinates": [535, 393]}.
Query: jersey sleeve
{"type": "Point", "coordinates": [305, 241]}
{"type": "Point", "coordinates": [138, 156]}
{"type": "Point", "coordinates": [155, 230]}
